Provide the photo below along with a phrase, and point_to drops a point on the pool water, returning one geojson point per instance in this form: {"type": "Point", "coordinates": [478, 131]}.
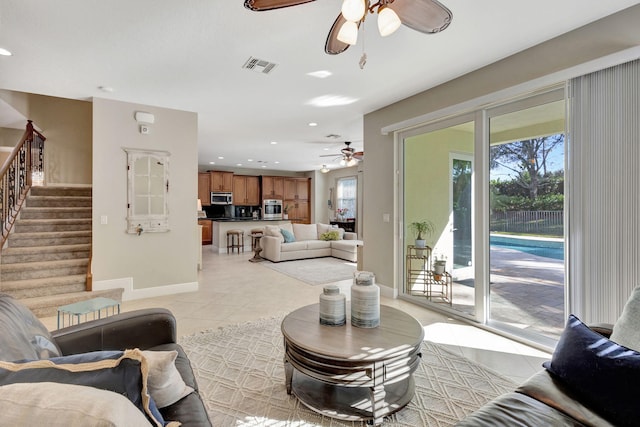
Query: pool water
{"type": "Point", "coordinates": [552, 248]}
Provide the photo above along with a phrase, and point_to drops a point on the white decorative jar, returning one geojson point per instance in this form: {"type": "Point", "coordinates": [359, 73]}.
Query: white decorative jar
{"type": "Point", "coordinates": [333, 306]}
{"type": "Point", "coordinates": [365, 301]}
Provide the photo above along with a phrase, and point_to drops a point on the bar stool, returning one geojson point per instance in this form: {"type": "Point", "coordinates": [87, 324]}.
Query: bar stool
{"type": "Point", "coordinates": [254, 233]}
{"type": "Point", "coordinates": [235, 240]}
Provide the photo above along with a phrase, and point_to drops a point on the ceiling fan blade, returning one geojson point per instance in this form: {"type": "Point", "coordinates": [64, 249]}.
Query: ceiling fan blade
{"type": "Point", "coordinates": [333, 46]}
{"type": "Point", "coordinates": [262, 5]}
{"type": "Point", "coordinates": [358, 155]}
{"type": "Point", "coordinates": [330, 155]}
{"type": "Point", "coordinates": [425, 16]}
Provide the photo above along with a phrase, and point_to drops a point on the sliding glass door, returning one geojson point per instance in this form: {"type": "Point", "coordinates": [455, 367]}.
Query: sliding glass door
{"type": "Point", "coordinates": [526, 191]}
{"type": "Point", "coordinates": [490, 186]}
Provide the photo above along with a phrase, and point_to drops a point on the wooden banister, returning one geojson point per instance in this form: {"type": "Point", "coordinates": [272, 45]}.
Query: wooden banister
{"type": "Point", "coordinates": [16, 176]}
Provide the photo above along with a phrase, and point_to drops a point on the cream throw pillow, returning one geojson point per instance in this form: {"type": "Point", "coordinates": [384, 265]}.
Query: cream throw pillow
{"type": "Point", "coordinates": [273, 231]}
{"type": "Point", "coordinates": [323, 228]}
{"type": "Point", "coordinates": [626, 330]}
{"type": "Point", "coordinates": [164, 382]}
{"type": "Point", "coordinates": [66, 405]}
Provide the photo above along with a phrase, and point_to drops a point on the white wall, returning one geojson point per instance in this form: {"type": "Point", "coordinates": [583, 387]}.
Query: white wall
{"type": "Point", "coordinates": [156, 262]}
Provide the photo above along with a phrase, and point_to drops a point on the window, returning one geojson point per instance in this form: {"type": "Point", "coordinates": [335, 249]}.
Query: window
{"type": "Point", "coordinates": [347, 196]}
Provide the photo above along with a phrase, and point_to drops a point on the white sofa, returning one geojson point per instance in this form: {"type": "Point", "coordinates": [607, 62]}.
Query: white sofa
{"type": "Point", "coordinates": [308, 243]}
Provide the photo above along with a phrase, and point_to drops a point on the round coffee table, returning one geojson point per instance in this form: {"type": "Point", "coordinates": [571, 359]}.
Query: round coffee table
{"type": "Point", "coordinates": [352, 373]}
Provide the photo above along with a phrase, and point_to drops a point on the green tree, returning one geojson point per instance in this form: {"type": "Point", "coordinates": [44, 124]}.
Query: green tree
{"type": "Point", "coordinates": [528, 160]}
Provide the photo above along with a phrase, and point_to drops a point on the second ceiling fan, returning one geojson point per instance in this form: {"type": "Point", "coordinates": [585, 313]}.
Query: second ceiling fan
{"type": "Point", "coordinates": [350, 157]}
{"type": "Point", "coordinates": [425, 16]}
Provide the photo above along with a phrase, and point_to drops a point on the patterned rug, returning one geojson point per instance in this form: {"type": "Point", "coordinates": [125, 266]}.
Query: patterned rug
{"type": "Point", "coordinates": [241, 378]}
{"type": "Point", "coordinates": [315, 271]}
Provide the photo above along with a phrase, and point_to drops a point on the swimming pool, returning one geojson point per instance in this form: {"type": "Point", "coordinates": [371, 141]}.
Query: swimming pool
{"type": "Point", "coordinates": [550, 248]}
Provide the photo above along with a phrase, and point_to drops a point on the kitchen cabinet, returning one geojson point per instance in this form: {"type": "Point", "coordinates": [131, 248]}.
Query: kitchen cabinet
{"type": "Point", "coordinates": [296, 192]}
{"type": "Point", "coordinates": [299, 211]}
{"type": "Point", "coordinates": [296, 188]}
{"type": "Point", "coordinates": [207, 229]}
{"type": "Point", "coordinates": [246, 190]}
{"type": "Point", "coordinates": [273, 187]}
{"type": "Point", "coordinates": [221, 181]}
{"type": "Point", "coordinates": [204, 188]}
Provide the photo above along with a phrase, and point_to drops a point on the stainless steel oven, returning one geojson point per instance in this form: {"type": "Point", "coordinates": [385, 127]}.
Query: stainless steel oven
{"type": "Point", "coordinates": [219, 198]}
{"type": "Point", "coordinates": [271, 209]}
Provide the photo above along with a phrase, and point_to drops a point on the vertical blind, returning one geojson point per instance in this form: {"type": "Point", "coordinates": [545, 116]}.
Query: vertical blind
{"type": "Point", "coordinates": [604, 191]}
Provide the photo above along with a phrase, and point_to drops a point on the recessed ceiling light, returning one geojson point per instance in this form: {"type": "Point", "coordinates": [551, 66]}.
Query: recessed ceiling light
{"type": "Point", "coordinates": [273, 142]}
{"type": "Point", "coordinates": [212, 163]}
{"type": "Point", "coordinates": [264, 166]}
{"type": "Point", "coordinates": [276, 162]}
{"type": "Point", "coordinates": [321, 74]}
{"type": "Point", "coordinates": [238, 164]}
{"type": "Point", "coordinates": [312, 124]}
{"type": "Point", "coordinates": [5, 52]}
{"type": "Point", "coordinates": [331, 101]}
{"type": "Point", "coordinates": [220, 158]}
{"type": "Point", "coordinates": [326, 148]}
{"type": "Point", "coordinates": [249, 160]}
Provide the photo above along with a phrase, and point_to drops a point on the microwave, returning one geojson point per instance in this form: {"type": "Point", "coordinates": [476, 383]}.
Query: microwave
{"type": "Point", "coordinates": [220, 198]}
{"type": "Point", "coordinates": [271, 209]}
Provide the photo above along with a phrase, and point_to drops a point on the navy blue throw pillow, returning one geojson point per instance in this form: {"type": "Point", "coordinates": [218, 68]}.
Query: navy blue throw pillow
{"type": "Point", "coordinates": [605, 374]}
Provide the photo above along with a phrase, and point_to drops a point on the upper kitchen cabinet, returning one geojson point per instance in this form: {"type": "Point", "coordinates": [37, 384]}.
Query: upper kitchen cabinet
{"type": "Point", "coordinates": [296, 188]}
{"type": "Point", "coordinates": [221, 181]}
{"type": "Point", "coordinates": [246, 190]}
{"type": "Point", "coordinates": [273, 187]}
{"type": "Point", "coordinates": [204, 188]}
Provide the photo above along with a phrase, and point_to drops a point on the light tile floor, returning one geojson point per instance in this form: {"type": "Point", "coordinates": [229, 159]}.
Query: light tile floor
{"type": "Point", "coordinates": [233, 290]}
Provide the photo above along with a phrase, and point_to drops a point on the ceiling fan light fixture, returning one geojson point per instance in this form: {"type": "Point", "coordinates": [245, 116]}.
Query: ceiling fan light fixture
{"type": "Point", "coordinates": [324, 169]}
{"type": "Point", "coordinates": [353, 10]}
{"type": "Point", "coordinates": [352, 162]}
{"type": "Point", "coordinates": [388, 21]}
{"type": "Point", "coordinates": [348, 33]}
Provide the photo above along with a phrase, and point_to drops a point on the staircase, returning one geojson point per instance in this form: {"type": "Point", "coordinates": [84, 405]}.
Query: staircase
{"type": "Point", "coordinates": [46, 258]}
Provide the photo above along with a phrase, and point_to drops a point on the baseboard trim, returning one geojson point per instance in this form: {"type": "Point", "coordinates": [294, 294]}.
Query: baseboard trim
{"type": "Point", "coordinates": [131, 294]}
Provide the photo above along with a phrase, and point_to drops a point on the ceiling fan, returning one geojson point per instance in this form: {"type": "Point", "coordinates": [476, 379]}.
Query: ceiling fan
{"type": "Point", "coordinates": [425, 16]}
{"type": "Point", "coordinates": [350, 157]}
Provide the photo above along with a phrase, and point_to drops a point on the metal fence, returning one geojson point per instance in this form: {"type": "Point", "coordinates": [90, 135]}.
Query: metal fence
{"type": "Point", "coordinates": [548, 223]}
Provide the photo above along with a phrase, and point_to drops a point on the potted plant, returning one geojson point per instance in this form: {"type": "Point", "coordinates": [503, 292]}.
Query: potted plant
{"type": "Point", "coordinates": [421, 230]}
{"type": "Point", "coordinates": [439, 265]}
{"type": "Point", "coordinates": [285, 212]}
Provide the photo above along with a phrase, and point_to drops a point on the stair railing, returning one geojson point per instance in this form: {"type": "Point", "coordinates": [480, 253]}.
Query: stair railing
{"type": "Point", "coordinates": [23, 168]}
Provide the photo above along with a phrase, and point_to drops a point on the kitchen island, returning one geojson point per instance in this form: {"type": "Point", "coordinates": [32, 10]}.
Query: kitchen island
{"type": "Point", "coordinates": [222, 225]}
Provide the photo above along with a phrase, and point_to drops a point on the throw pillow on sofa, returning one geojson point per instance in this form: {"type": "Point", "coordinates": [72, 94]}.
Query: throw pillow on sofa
{"type": "Point", "coordinates": [626, 330]}
{"type": "Point", "coordinates": [22, 334]}
{"type": "Point", "coordinates": [600, 371]}
{"type": "Point", "coordinates": [287, 235]}
{"type": "Point", "coordinates": [124, 372]}
{"type": "Point", "coordinates": [330, 235]}
{"type": "Point", "coordinates": [165, 383]}
{"type": "Point", "coordinates": [56, 404]}
{"type": "Point", "coordinates": [273, 231]}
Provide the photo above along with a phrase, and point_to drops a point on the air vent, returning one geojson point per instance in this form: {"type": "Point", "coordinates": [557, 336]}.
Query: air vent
{"type": "Point", "coordinates": [259, 65]}
{"type": "Point", "coordinates": [332, 136]}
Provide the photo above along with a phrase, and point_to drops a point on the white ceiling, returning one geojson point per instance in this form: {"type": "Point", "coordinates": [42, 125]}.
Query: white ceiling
{"type": "Point", "coordinates": [188, 55]}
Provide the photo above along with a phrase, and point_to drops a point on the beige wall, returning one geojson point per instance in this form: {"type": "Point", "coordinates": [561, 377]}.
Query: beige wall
{"type": "Point", "coordinates": [152, 259]}
{"type": "Point", "coordinates": [612, 34]}
{"type": "Point", "coordinates": [66, 123]}
{"type": "Point", "coordinates": [11, 137]}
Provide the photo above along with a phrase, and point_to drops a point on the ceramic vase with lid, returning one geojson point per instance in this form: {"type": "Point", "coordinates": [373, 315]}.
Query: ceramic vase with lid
{"type": "Point", "coordinates": [333, 306]}
{"type": "Point", "coordinates": [365, 301]}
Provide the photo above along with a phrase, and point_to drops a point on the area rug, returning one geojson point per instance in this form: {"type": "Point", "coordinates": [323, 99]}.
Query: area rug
{"type": "Point", "coordinates": [240, 374]}
{"type": "Point", "coordinates": [315, 271]}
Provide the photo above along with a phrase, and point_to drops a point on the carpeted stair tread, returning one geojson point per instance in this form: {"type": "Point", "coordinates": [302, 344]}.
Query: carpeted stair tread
{"type": "Point", "coordinates": [51, 234]}
{"type": "Point", "coordinates": [61, 191]}
{"type": "Point", "coordinates": [43, 264]}
{"type": "Point", "coordinates": [23, 250]}
{"type": "Point", "coordinates": [8, 286]}
{"type": "Point", "coordinates": [58, 201]}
